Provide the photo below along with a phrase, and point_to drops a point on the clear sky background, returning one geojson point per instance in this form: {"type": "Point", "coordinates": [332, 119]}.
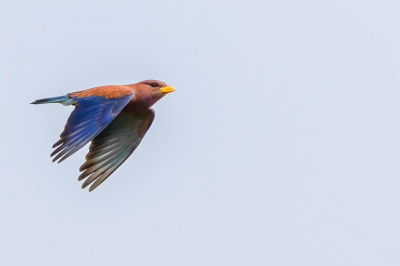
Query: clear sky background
{"type": "Point", "coordinates": [280, 146]}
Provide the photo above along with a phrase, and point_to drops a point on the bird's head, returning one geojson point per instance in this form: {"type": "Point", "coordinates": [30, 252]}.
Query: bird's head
{"type": "Point", "coordinates": [150, 91]}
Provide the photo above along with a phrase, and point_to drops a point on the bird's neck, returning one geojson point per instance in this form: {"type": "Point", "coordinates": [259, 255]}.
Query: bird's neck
{"type": "Point", "coordinates": [140, 101]}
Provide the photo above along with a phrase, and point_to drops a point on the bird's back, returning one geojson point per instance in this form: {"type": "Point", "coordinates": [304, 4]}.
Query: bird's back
{"type": "Point", "coordinates": [109, 91]}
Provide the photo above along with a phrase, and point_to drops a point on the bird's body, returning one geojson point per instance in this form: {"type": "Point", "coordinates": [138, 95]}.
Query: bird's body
{"type": "Point", "coordinates": [114, 118]}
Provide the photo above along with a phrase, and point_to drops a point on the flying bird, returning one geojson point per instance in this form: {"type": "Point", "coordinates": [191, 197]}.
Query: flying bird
{"type": "Point", "coordinates": [114, 118]}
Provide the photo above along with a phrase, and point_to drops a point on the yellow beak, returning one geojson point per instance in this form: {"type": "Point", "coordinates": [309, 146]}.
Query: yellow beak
{"type": "Point", "coordinates": [167, 89]}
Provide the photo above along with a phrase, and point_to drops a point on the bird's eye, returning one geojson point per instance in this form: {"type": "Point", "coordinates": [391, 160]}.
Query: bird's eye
{"type": "Point", "coordinates": [153, 84]}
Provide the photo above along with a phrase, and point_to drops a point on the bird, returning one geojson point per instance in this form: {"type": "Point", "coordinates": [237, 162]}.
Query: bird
{"type": "Point", "coordinates": [114, 118]}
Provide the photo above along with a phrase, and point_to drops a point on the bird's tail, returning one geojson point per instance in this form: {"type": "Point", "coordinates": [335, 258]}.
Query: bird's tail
{"type": "Point", "coordinates": [65, 100]}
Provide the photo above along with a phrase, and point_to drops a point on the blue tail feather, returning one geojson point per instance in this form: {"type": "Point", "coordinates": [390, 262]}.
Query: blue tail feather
{"type": "Point", "coordinates": [57, 99]}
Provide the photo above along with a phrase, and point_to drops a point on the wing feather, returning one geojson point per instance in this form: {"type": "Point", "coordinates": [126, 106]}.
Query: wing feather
{"type": "Point", "coordinates": [91, 115]}
{"type": "Point", "coordinates": [114, 145]}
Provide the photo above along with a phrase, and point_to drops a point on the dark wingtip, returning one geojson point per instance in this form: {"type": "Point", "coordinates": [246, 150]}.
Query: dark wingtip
{"type": "Point", "coordinates": [63, 158]}
{"type": "Point", "coordinates": [58, 143]}
{"type": "Point", "coordinates": [82, 176]}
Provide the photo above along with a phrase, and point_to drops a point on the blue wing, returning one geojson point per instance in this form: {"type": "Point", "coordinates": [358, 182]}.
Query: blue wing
{"type": "Point", "coordinates": [90, 116]}
{"type": "Point", "coordinates": [114, 145]}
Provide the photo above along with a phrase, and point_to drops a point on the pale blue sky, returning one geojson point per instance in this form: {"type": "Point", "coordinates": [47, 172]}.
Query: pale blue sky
{"type": "Point", "coordinates": [281, 145]}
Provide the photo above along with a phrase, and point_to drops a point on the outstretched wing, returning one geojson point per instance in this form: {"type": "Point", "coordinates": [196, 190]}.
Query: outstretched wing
{"type": "Point", "coordinates": [114, 145]}
{"type": "Point", "coordinates": [91, 115]}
